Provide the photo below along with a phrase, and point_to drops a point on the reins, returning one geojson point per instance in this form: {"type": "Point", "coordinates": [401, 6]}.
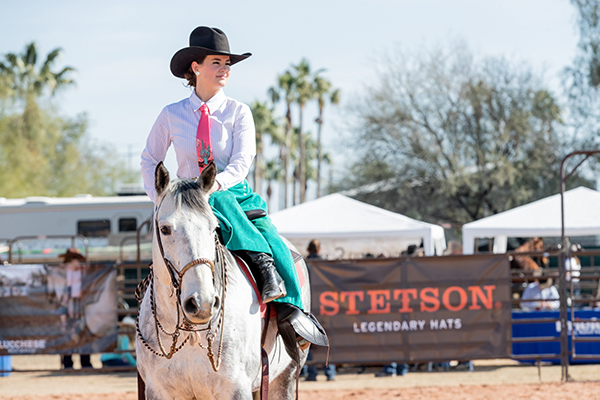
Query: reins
{"type": "Point", "coordinates": [187, 326]}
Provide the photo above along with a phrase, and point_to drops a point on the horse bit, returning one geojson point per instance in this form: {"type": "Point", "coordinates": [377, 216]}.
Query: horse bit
{"type": "Point", "coordinates": [187, 326]}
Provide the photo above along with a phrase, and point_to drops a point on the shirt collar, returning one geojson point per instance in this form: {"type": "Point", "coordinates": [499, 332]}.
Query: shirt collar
{"type": "Point", "coordinates": [213, 104]}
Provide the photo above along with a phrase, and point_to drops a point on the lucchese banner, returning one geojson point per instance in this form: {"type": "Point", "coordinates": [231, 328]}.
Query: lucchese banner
{"type": "Point", "coordinates": [41, 311]}
{"type": "Point", "coordinates": [418, 309]}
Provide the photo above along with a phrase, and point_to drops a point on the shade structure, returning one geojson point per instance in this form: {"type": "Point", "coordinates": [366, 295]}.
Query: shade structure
{"type": "Point", "coordinates": [539, 218]}
{"type": "Point", "coordinates": [351, 228]}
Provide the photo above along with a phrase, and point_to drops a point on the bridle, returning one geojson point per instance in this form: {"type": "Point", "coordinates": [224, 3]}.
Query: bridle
{"type": "Point", "coordinates": [176, 281]}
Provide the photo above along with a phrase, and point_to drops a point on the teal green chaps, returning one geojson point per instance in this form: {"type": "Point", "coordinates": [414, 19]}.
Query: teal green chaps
{"type": "Point", "coordinates": [260, 235]}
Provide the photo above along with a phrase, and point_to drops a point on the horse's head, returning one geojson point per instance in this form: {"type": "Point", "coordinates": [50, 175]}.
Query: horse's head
{"type": "Point", "coordinates": [184, 241]}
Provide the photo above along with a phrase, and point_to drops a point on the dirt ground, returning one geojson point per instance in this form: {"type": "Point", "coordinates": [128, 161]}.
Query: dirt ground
{"type": "Point", "coordinates": [491, 379]}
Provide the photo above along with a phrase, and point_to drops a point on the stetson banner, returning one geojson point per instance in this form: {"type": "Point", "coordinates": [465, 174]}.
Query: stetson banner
{"type": "Point", "coordinates": [417, 309]}
{"type": "Point", "coordinates": [42, 311]}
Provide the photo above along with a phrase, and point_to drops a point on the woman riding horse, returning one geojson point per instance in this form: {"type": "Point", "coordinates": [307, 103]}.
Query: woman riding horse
{"type": "Point", "coordinates": [209, 127]}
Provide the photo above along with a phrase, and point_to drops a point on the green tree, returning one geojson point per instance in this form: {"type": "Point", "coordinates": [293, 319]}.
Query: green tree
{"type": "Point", "coordinates": [582, 80]}
{"type": "Point", "coordinates": [43, 153]}
{"type": "Point", "coordinates": [447, 139]}
{"type": "Point", "coordinates": [266, 125]}
{"type": "Point", "coordinates": [304, 91]}
{"type": "Point", "coordinates": [285, 90]}
{"type": "Point", "coordinates": [273, 172]}
{"type": "Point", "coordinates": [310, 155]}
{"type": "Point", "coordinates": [324, 92]}
{"type": "Point", "coordinates": [588, 59]}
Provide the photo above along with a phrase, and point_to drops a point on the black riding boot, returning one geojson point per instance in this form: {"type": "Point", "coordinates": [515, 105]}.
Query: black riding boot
{"type": "Point", "coordinates": [269, 281]}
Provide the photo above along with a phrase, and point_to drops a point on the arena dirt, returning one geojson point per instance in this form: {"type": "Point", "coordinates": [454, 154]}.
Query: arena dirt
{"type": "Point", "coordinates": [493, 379]}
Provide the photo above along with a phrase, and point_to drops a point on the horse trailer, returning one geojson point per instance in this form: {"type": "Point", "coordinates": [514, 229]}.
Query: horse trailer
{"type": "Point", "coordinates": [34, 223]}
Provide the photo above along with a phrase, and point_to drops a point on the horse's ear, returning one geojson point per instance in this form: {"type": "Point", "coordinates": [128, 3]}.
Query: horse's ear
{"type": "Point", "coordinates": [161, 178]}
{"type": "Point", "coordinates": [206, 180]}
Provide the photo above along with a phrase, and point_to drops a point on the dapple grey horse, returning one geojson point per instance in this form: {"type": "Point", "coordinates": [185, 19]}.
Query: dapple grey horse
{"type": "Point", "coordinates": [199, 323]}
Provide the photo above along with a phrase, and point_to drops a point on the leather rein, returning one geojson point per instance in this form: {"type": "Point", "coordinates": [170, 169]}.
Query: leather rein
{"type": "Point", "coordinates": [186, 325]}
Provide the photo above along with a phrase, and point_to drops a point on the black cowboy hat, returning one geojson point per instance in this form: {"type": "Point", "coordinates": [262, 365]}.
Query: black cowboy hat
{"type": "Point", "coordinates": [71, 254]}
{"type": "Point", "coordinates": [204, 41]}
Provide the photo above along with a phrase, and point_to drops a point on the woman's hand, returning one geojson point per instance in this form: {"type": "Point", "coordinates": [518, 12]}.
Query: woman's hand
{"type": "Point", "coordinates": [214, 188]}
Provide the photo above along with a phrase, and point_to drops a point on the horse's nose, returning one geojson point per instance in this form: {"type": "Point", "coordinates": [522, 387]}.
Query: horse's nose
{"type": "Point", "coordinates": [196, 310]}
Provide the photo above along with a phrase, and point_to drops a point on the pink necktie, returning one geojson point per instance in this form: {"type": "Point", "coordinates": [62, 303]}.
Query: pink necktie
{"type": "Point", "coordinates": [203, 138]}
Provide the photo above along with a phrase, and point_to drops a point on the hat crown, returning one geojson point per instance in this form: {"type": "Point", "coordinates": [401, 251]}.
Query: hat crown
{"type": "Point", "coordinates": [209, 38]}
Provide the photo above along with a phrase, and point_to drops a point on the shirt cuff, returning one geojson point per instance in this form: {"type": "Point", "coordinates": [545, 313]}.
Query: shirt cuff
{"type": "Point", "coordinates": [221, 185]}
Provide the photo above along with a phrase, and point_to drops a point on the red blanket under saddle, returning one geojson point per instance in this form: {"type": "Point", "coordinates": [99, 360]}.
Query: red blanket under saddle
{"type": "Point", "coordinates": [263, 307]}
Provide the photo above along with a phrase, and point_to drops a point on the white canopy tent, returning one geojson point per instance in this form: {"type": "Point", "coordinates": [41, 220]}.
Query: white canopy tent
{"type": "Point", "coordinates": [349, 228]}
{"type": "Point", "coordinates": [540, 218]}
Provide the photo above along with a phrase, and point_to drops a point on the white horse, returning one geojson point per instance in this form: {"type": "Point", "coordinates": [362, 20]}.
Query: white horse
{"type": "Point", "coordinates": [199, 324]}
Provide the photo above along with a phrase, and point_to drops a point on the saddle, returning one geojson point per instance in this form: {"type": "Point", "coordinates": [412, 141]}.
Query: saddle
{"type": "Point", "coordinates": [297, 328]}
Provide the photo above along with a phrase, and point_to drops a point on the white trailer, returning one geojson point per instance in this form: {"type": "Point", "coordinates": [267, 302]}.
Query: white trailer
{"type": "Point", "coordinates": [103, 221]}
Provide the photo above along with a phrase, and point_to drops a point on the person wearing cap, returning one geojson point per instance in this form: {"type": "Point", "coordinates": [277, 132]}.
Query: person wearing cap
{"type": "Point", "coordinates": [72, 260]}
{"type": "Point", "coordinates": [231, 144]}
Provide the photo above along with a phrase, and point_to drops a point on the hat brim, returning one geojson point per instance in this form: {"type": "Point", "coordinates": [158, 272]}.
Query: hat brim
{"type": "Point", "coordinates": [182, 60]}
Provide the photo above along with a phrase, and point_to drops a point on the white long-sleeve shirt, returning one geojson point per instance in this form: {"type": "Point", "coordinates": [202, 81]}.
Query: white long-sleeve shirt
{"type": "Point", "coordinates": [534, 291]}
{"type": "Point", "coordinates": [232, 135]}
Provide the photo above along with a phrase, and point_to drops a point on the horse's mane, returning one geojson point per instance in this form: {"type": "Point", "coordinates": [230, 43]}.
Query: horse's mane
{"type": "Point", "coordinates": [189, 193]}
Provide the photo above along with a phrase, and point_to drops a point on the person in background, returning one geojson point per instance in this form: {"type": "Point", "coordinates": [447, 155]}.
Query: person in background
{"type": "Point", "coordinates": [73, 260]}
{"type": "Point", "coordinates": [395, 369]}
{"type": "Point", "coordinates": [541, 290]}
{"type": "Point", "coordinates": [454, 248]}
{"type": "Point", "coordinates": [311, 371]}
{"type": "Point", "coordinates": [314, 250]}
{"type": "Point", "coordinates": [124, 342]}
{"type": "Point", "coordinates": [573, 269]}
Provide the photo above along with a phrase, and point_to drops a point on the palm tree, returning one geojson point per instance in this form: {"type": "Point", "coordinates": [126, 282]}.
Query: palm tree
{"type": "Point", "coordinates": [304, 91]}
{"type": "Point", "coordinates": [33, 137]}
{"type": "Point", "coordinates": [25, 80]}
{"type": "Point", "coordinates": [311, 154]}
{"type": "Point", "coordinates": [273, 172]}
{"type": "Point", "coordinates": [266, 125]}
{"type": "Point", "coordinates": [323, 92]}
{"type": "Point", "coordinates": [285, 89]}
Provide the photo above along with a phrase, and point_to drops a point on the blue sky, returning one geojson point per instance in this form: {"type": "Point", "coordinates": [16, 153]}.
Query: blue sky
{"type": "Point", "coordinates": [122, 49]}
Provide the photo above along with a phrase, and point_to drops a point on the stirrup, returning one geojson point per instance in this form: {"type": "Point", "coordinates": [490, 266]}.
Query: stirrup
{"type": "Point", "coordinates": [298, 329]}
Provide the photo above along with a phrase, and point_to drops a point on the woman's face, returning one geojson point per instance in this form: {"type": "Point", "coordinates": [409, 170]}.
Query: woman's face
{"type": "Point", "coordinates": [213, 72]}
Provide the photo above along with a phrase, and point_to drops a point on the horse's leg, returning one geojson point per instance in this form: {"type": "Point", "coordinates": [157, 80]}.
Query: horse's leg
{"type": "Point", "coordinates": [284, 386]}
{"type": "Point", "coordinates": [141, 387]}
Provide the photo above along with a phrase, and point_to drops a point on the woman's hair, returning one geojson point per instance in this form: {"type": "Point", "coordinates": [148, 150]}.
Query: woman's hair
{"type": "Point", "coordinates": [190, 75]}
{"type": "Point", "coordinates": [314, 246]}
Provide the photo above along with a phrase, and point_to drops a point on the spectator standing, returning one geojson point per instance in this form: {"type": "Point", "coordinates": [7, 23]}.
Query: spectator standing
{"type": "Point", "coordinates": [73, 260]}
{"type": "Point", "coordinates": [573, 269]}
{"type": "Point", "coordinates": [314, 253]}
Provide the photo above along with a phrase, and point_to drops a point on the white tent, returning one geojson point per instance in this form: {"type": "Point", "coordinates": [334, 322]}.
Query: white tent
{"type": "Point", "coordinates": [350, 228]}
{"type": "Point", "coordinates": [539, 218]}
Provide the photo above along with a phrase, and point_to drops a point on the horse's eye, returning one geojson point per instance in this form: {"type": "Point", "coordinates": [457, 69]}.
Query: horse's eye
{"type": "Point", "coordinates": [165, 230]}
